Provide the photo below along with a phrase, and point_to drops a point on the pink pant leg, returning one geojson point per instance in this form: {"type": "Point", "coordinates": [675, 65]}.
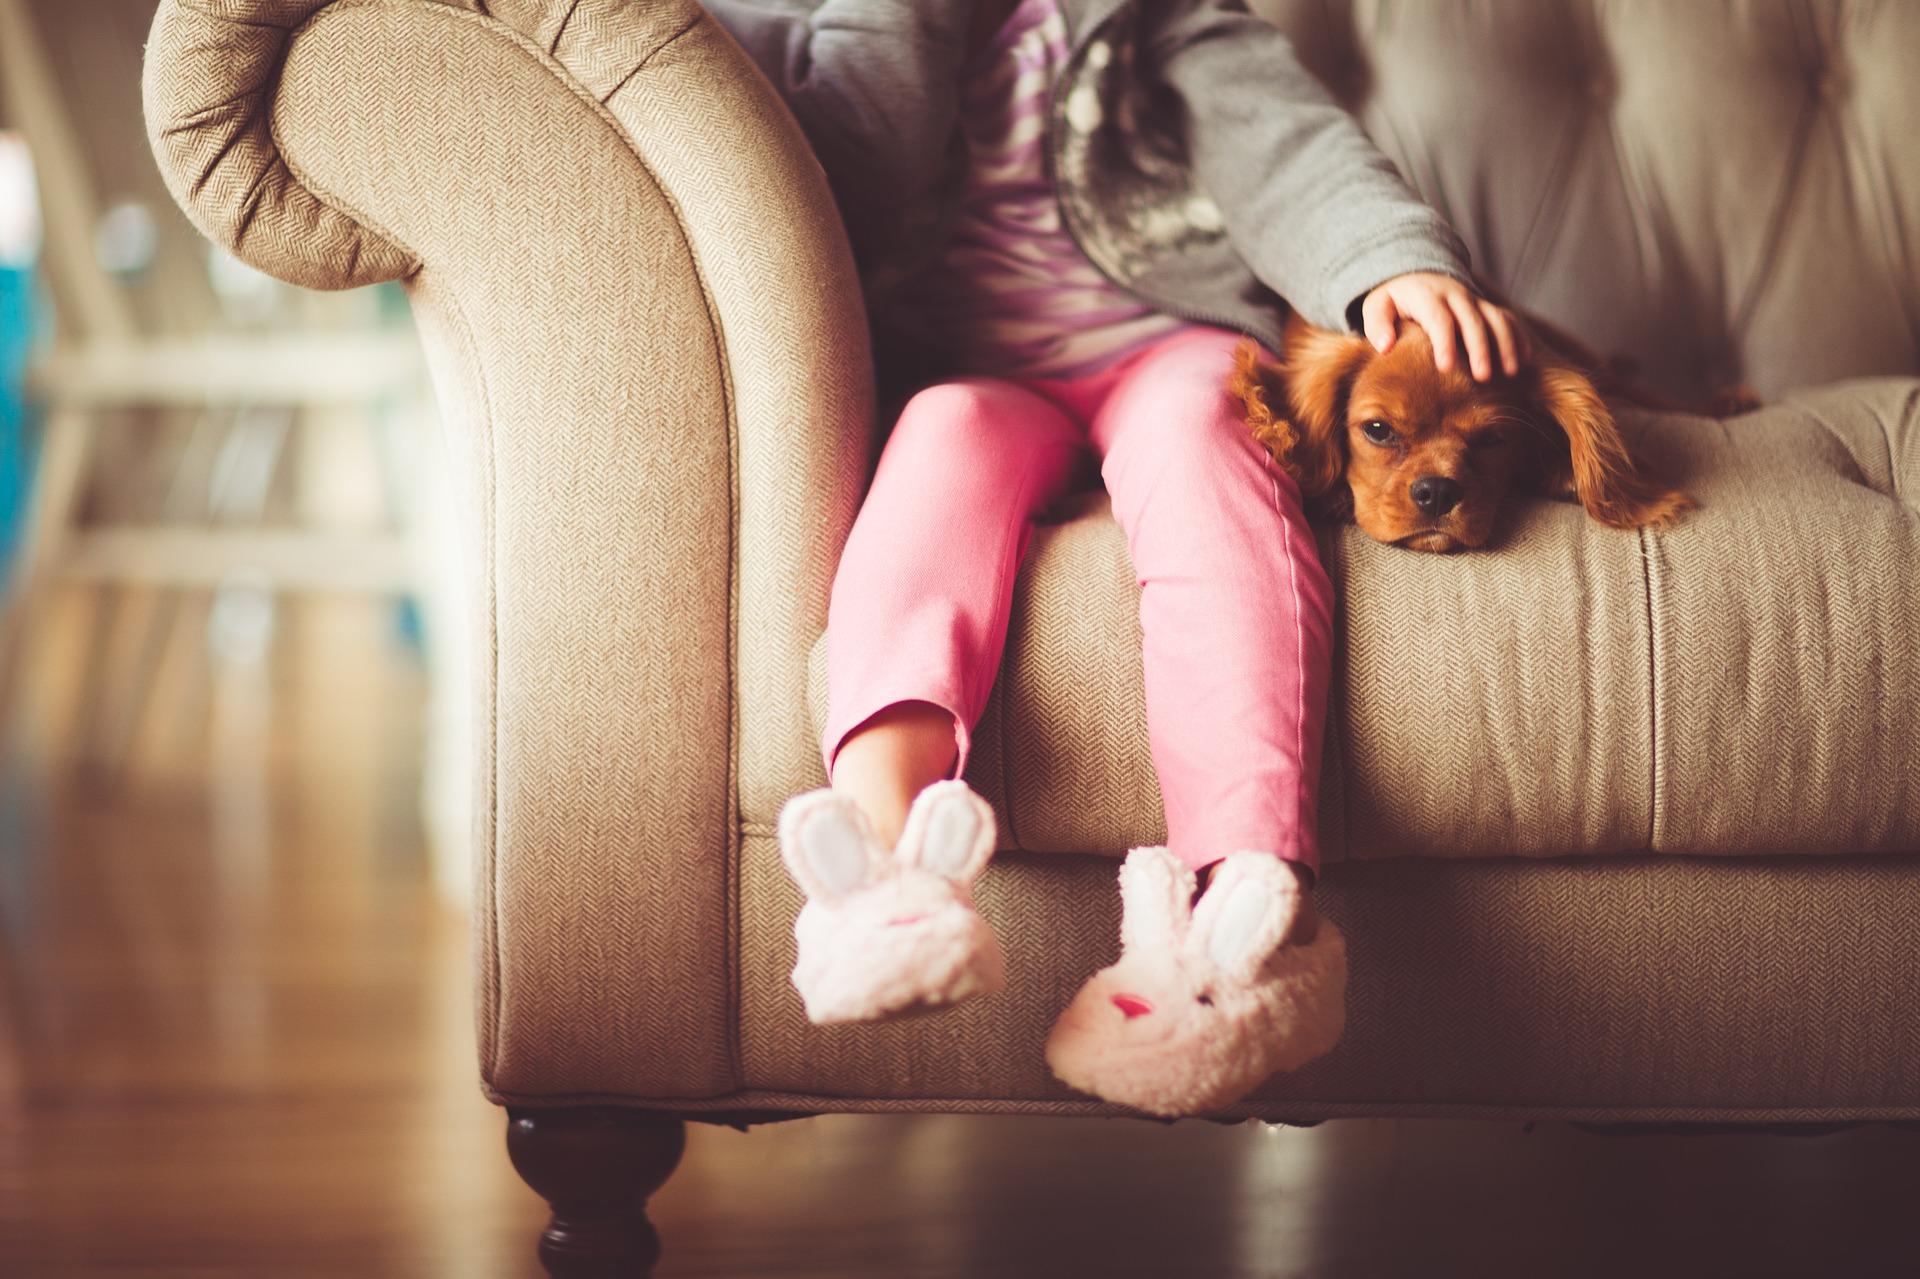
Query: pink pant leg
{"type": "Point", "coordinates": [1235, 608]}
{"type": "Point", "coordinates": [920, 600]}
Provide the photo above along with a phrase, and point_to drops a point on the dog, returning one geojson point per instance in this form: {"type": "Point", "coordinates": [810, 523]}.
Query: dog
{"type": "Point", "coordinates": [1434, 461]}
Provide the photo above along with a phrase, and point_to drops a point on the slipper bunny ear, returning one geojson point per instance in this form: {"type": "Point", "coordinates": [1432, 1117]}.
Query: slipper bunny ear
{"type": "Point", "coordinates": [949, 832]}
{"type": "Point", "coordinates": [1245, 915]}
{"type": "Point", "coordinates": [828, 846]}
{"type": "Point", "coordinates": [1156, 898]}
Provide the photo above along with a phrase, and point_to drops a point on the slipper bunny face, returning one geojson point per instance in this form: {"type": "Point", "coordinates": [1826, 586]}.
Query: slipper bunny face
{"type": "Point", "coordinates": [881, 929]}
{"type": "Point", "coordinates": [1205, 1000]}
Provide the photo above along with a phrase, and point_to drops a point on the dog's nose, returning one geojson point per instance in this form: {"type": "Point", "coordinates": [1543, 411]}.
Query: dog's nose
{"type": "Point", "coordinates": [1434, 494]}
{"type": "Point", "coordinates": [1132, 1005]}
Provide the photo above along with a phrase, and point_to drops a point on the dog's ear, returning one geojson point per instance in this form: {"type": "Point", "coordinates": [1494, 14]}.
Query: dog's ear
{"type": "Point", "coordinates": [1263, 402]}
{"type": "Point", "coordinates": [1589, 461]}
{"type": "Point", "coordinates": [1319, 369]}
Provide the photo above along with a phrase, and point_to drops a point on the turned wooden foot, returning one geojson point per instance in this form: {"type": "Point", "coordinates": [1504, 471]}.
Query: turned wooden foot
{"type": "Point", "coordinates": [596, 1165]}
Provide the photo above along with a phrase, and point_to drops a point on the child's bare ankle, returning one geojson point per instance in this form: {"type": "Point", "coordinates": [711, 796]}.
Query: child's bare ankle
{"type": "Point", "coordinates": [883, 765]}
{"type": "Point", "coordinates": [885, 811]}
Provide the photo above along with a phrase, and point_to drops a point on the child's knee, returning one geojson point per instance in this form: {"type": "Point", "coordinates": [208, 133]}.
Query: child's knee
{"type": "Point", "coordinates": [963, 411]}
{"type": "Point", "coordinates": [1199, 443]}
{"type": "Point", "coordinates": [954, 431]}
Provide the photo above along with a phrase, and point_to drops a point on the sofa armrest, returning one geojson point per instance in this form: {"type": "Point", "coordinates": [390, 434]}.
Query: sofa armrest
{"type": "Point", "coordinates": [646, 335]}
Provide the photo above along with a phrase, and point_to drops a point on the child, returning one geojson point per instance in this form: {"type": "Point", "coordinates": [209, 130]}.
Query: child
{"type": "Point", "coordinates": [1067, 214]}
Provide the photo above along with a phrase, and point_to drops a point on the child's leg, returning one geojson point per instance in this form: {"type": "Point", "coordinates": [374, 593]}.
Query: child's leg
{"type": "Point", "coordinates": [1236, 615]}
{"type": "Point", "coordinates": [914, 632]}
{"type": "Point", "coordinates": [1235, 609]}
{"type": "Point", "coordinates": [918, 616]}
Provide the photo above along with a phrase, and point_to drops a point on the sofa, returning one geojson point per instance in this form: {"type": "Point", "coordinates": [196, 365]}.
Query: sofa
{"type": "Point", "coordinates": [1620, 826]}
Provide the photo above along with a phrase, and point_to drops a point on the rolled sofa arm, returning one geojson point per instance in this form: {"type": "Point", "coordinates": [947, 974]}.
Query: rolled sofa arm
{"type": "Point", "coordinates": [646, 335]}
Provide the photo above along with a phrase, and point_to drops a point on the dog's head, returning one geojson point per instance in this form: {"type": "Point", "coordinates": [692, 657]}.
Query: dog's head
{"type": "Point", "coordinates": [1432, 461]}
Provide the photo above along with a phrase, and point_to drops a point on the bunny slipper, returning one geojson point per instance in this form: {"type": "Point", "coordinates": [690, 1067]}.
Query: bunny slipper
{"type": "Point", "coordinates": [1206, 1000]}
{"type": "Point", "coordinates": [886, 934]}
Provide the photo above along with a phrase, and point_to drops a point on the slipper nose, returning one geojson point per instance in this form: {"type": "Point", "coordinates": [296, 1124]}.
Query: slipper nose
{"type": "Point", "coordinates": [1132, 1005]}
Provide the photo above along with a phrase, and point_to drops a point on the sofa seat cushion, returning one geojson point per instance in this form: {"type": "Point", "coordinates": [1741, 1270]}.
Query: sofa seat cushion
{"type": "Point", "coordinates": [1746, 682]}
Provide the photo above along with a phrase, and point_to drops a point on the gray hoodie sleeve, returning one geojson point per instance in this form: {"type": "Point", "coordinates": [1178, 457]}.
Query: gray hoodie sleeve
{"type": "Point", "coordinates": [1318, 213]}
{"type": "Point", "coordinates": [872, 83]}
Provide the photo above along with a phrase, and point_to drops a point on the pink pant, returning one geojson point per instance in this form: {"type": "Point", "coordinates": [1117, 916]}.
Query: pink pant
{"type": "Point", "coordinates": [1235, 609]}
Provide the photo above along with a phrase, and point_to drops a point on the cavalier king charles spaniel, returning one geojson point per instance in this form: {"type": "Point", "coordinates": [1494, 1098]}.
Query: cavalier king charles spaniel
{"type": "Point", "coordinates": [1431, 461]}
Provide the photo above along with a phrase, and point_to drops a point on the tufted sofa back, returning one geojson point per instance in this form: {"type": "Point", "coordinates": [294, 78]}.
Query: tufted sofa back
{"type": "Point", "coordinates": [1726, 190]}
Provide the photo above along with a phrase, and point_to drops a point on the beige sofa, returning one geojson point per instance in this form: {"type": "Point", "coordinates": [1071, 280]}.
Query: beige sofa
{"type": "Point", "coordinates": [1614, 822]}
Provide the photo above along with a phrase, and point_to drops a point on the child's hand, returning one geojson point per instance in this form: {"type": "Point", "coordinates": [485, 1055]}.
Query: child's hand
{"type": "Point", "coordinates": [1453, 315]}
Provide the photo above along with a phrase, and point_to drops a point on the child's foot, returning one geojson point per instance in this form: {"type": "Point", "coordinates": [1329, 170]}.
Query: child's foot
{"type": "Point", "coordinates": [886, 934]}
{"type": "Point", "coordinates": [1208, 998]}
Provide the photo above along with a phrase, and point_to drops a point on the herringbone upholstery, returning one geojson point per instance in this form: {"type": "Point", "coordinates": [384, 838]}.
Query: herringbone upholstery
{"type": "Point", "coordinates": [649, 346]}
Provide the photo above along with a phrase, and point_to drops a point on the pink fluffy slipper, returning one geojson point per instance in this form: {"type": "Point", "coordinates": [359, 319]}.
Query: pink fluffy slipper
{"type": "Point", "coordinates": [1206, 1000]}
{"type": "Point", "coordinates": [885, 934]}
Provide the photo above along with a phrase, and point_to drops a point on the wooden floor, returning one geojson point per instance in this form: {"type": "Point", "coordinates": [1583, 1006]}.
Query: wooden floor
{"type": "Point", "coordinates": [234, 1041]}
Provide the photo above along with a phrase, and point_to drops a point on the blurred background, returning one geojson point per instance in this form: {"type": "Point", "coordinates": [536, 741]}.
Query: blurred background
{"type": "Point", "coordinates": [233, 854]}
{"type": "Point", "coordinates": [207, 478]}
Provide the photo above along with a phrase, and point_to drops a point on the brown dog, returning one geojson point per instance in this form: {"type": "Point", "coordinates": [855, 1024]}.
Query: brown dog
{"type": "Point", "coordinates": [1430, 460]}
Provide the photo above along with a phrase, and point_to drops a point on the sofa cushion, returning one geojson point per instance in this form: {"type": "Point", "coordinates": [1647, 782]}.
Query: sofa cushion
{"type": "Point", "coordinates": [1748, 681]}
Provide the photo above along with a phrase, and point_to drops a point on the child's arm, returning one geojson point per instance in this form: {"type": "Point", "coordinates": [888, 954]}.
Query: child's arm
{"type": "Point", "coordinates": [1318, 213]}
{"type": "Point", "coordinates": [872, 82]}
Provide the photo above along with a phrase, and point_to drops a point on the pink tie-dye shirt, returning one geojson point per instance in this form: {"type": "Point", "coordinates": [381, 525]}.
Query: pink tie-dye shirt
{"type": "Point", "coordinates": [1014, 296]}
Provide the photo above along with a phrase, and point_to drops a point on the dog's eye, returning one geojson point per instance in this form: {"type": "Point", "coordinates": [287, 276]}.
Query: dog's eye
{"type": "Point", "coordinates": [1377, 431]}
{"type": "Point", "coordinates": [1486, 440]}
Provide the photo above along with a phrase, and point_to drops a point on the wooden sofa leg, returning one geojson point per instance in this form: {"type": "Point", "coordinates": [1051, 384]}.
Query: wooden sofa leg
{"type": "Point", "coordinates": [596, 1165]}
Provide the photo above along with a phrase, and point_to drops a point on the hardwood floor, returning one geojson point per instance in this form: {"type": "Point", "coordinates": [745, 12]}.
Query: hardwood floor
{"type": "Point", "coordinates": [234, 1041]}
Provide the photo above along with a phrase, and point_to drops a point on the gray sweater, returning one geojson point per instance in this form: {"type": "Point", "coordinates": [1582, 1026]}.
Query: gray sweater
{"type": "Point", "coordinates": [1197, 162]}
